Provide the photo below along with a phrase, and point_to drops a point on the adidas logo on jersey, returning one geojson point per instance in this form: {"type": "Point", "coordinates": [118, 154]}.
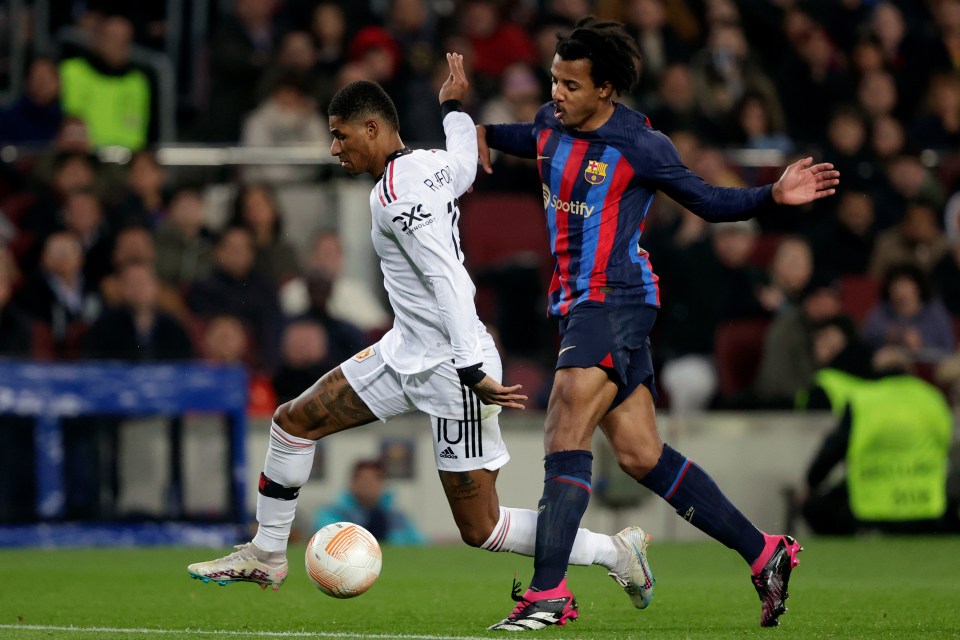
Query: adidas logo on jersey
{"type": "Point", "coordinates": [448, 453]}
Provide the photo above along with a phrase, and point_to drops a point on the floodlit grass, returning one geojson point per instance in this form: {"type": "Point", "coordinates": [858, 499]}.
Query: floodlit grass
{"type": "Point", "coordinates": [865, 588]}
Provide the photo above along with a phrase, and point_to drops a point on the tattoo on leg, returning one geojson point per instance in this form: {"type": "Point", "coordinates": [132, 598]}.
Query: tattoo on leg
{"type": "Point", "coordinates": [334, 406]}
{"type": "Point", "coordinates": [461, 486]}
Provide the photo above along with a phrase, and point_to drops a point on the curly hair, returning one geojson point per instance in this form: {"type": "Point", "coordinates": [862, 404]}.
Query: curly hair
{"type": "Point", "coordinates": [364, 98]}
{"type": "Point", "coordinates": [613, 53]}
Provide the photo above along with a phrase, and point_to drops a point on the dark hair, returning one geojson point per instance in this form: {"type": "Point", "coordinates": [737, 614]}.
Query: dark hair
{"type": "Point", "coordinates": [614, 55]}
{"type": "Point", "coordinates": [239, 218]}
{"type": "Point", "coordinates": [364, 98]}
{"type": "Point", "coordinates": [910, 271]}
{"type": "Point", "coordinates": [368, 463]}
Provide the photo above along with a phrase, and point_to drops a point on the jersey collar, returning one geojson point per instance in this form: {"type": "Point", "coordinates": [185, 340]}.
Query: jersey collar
{"type": "Point", "coordinates": [393, 156]}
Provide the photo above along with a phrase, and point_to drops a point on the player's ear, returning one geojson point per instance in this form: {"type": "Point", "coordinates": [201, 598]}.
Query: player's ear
{"type": "Point", "coordinates": [373, 128]}
{"type": "Point", "coordinates": [606, 90]}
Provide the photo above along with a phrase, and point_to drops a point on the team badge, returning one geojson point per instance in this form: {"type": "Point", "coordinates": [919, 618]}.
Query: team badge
{"type": "Point", "coordinates": [596, 172]}
{"type": "Point", "coordinates": [363, 355]}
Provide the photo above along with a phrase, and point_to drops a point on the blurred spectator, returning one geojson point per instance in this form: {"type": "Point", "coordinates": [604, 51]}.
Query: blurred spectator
{"type": "Point", "coordinates": [496, 42]}
{"type": "Point", "coordinates": [938, 126]}
{"type": "Point", "coordinates": [724, 71]}
{"type": "Point", "coordinates": [946, 273]}
{"type": "Point", "coordinates": [517, 101]}
{"type": "Point", "coordinates": [304, 358]}
{"type": "Point", "coordinates": [374, 48]}
{"type": "Point", "coordinates": [240, 50]}
{"type": "Point", "coordinates": [184, 246]}
{"type": "Point", "coordinates": [416, 29]}
{"type": "Point", "coordinates": [917, 240]}
{"type": "Point", "coordinates": [709, 282]}
{"type": "Point", "coordinates": [138, 330]}
{"type": "Point", "coordinates": [846, 146]}
{"type": "Point", "coordinates": [675, 106]}
{"type": "Point", "coordinates": [345, 339]}
{"type": "Point", "coordinates": [811, 81]}
{"type": "Point", "coordinates": [887, 138]}
{"type": "Point", "coordinates": [909, 316]}
{"type": "Point", "coordinates": [256, 209]}
{"type": "Point", "coordinates": [135, 246]}
{"type": "Point", "coordinates": [143, 201]}
{"type": "Point", "coordinates": [369, 504]}
{"type": "Point", "coordinates": [329, 29]}
{"type": "Point", "coordinates": [660, 44]}
{"type": "Point", "coordinates": [296, 57]}
{"type": "Point", "coordinates": [759, 127]}
{"type": "Point", "coordinates": [34, 118]}
{"type": "Point", "coordinates": [235, 288]}
{"type": "Point", "coordinates": [907, 179]}
{"type": "Point", "coordinates": [104, 88]}
{"type": "Point", "coordinates": [788, 363]}
{"type": "Point", "coordinates": [71, 172]}
{"type": "Point", "coordinates": [83, 216]}
{"type": "Point", "coordinates": [226, 340]}
{"type": "Point", "coordinates": [877, 95]}
{"type": "Point", "coordinates": [844, 243]}
{"type": "Point", "coordinates": [789, 275]}
{"type": "Point", "coordinates": [58, 294]}
{"type": "Point", "coordinates": [893, 436]}
{"type": "Point", "coordinates": [287, 118]}
{"type": "Point", "coordinates": [351, 299]}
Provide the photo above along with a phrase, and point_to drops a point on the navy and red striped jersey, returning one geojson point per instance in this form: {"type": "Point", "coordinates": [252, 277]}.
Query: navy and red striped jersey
{"type": "Point", "coordinates": [597, 189]}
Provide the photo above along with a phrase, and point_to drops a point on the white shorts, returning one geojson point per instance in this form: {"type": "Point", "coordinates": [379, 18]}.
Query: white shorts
{"type": "Point", "coordinates": [466, 432]}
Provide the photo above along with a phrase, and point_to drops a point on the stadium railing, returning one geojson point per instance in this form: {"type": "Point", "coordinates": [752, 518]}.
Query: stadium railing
{"type": "Point", "coordinates": [49, 393]}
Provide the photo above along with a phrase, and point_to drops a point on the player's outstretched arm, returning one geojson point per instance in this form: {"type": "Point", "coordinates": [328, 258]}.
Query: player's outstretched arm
{"type": "Point", "coordinates": [492, 392]}
{"type": "Point", "coordinates": [456, 85]}
{"type": "Point", "coordinates": [802, 183]}
{"type": "Point", "coordinates": [483, 149]}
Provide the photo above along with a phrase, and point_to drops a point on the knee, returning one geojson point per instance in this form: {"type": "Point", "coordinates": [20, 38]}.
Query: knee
{"type": "Point", "coordinates": [292, 420]}
{"type": "Point", "coordinates": [637, 464]}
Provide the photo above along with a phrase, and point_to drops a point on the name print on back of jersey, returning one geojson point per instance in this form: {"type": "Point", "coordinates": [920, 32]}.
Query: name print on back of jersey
{"type": "Point", "coordinates": [414, 219]}
{"type": "Point", "coordinates": [440, 178]}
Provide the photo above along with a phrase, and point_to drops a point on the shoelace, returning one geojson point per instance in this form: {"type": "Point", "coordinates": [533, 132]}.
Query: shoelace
{"type": "Point", "coordinates": [515, 594]}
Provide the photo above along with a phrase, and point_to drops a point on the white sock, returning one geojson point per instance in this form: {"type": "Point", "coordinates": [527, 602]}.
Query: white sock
{"type": "Point", "coordinates": [288, 463]}
{"type": "Point", "coordinates": [516, 531]}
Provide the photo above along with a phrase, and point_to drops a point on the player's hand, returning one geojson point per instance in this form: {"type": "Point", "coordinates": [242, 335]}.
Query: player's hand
{"type": "Point", "coordinates": [802, 183]}
{"type": "Point", "coordinates": [483, 150]}
{"type": "Point", "coordinates": [492, 392]}
{"type": "Point", "coordinates": [456, 85]}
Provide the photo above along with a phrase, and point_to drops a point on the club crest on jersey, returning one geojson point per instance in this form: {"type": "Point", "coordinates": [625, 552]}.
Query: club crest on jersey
{"type": "Point", "coordinates": [596, 172]}
{"type": "Point", "coordinates": [363, 355]}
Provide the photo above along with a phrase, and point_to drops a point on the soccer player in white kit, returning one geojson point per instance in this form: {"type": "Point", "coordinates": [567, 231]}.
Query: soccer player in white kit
{"type": "Point", "coordinates": [438, 358]}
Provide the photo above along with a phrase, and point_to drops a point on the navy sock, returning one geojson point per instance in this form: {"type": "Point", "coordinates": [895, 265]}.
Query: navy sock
{"type": "Point", "coordinates": [698, 499]}
{"type": "Point", "coordinates": [566, 492]}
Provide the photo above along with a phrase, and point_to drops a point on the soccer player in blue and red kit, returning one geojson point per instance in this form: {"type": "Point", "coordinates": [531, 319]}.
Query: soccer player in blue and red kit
{"type": "Point", "coordinates": [601, 164]}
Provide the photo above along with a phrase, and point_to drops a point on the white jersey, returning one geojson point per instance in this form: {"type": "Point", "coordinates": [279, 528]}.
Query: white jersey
{"type": "Point", "coordinates": [415, 211]}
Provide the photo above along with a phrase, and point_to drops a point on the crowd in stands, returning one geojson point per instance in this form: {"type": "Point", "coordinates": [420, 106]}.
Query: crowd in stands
{"type": "Point", "coordinates": [106, 260]}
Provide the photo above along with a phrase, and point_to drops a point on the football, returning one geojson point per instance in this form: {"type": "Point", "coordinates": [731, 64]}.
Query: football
{"type": "Point", "coordinates": [343, 559]}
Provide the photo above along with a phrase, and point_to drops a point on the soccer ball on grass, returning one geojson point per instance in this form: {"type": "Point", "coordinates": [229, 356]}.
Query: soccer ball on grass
{"type": "Point", "coordinates": [343, 559]}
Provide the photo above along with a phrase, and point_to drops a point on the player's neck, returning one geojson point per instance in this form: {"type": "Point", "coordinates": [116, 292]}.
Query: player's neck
{"type": "Point", "coordinates": [389, 148]}
{"type": "Point", "coordinates": [599, 117]}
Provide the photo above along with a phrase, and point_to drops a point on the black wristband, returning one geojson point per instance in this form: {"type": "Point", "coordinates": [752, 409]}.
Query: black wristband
{"type": "Point", "coordinates": [471, 375]}
{"type": "Point", "coordinates": [449, 106]}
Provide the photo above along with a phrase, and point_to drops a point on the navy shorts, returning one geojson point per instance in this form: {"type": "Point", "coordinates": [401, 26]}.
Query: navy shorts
{"type": "Point", "coordinates": [614, 337]}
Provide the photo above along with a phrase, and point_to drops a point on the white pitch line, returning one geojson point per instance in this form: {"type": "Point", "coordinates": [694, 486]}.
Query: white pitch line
{"type": "Point", "coordinates": [224, 632]}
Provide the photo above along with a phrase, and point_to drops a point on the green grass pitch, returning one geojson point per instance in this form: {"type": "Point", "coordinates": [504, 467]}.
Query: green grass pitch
{"type": "Point", "coordinates": [862, 588]}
